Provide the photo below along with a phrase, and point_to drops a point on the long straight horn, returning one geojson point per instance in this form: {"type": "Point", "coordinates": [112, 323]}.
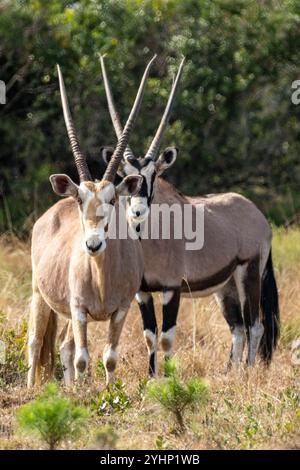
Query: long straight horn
{"type": "Point", "coordinates": [154, 147]}
{"type": "Point", "coordinates": [112, 108]}
{"type": "Point", "coordinates": [114, 163]}
{"type": "Point", "coordinates": [80, 161]}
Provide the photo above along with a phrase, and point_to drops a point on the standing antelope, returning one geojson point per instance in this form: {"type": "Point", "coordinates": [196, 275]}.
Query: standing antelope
{"type": "Point", "coordinates": [77, 271]}
{"type": "Point", "coordinates": [235, 262]}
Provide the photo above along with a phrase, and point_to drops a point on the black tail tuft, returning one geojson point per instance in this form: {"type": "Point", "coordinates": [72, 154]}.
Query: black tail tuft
{"type": "Point", "coordinates": [270, 309]}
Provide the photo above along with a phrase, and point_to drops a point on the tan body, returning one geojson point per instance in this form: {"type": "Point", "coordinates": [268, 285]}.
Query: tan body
{"type": "Point", "coordinates": [69, 282]}
{"type": "Point", "coordinates": [235, 231]}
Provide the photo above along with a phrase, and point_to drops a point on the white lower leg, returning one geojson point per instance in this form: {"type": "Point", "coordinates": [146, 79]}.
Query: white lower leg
{"type": "Point", "coordinates": [256, 332]}
{"type": "Point", "coordinates": [34, 348]}
{"type": "Point", "coordinates": [67, 357]}
{"type": "Point", "coordinates": [79, 325]}
{"type": "Point", "coordinates": [167, 339]}
{"type": "Point", "coordinates": [110, 351]}
{"type": "Point", "coordinates": [238, 344]}
{"type": "Point", "coordinates": [39, 317]}
{"type": "Point", "coordinates": [110, 357]}
{"type": "Point", "coordinates": [81, 362]}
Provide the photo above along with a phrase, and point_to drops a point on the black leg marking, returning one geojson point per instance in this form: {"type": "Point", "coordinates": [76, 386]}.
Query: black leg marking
{"type": "Point", "coordinates": [152, 364]}
{"type": "Point", "coordinates": [145, 301]}
{"type": "Point", "coordinates": [252, 293]}
{"type": "Point", "coordinates": [170, 313]}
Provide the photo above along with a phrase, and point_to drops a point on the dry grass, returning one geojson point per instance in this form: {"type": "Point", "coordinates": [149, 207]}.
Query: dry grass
{"type": "Point", "coordinates": [247, 409]}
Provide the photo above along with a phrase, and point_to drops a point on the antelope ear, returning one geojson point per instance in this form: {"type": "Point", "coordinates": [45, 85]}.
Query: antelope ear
{"type": "Point", "coordinates": [63, 185]}
{"type": "Point", "coordinates": [129, 186]}
{"type": "Point", "coordinates": [166, 159]}
{"type": "Point", "coordinates": [106, 154]}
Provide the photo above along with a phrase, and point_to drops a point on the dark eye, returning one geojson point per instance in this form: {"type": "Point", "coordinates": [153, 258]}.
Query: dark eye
{"type": "Point", "coordinates": [79, 201]}
{"type": "Point", "coordinates": [113, 201]}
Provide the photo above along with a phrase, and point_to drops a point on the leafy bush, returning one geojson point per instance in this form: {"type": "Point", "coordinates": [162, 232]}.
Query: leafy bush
{"type": "Point", "coordinates": [235, 96]}
{"type": "Point", "coordinates": [52, 417]}
{"type": "Point", "coordinates": [160, 443]}
{"type": "Point", "coordinates": [13, 367]}
{"type": "Point", "coordinates": [142, 388]}
{"type": "Point", "coordinates": [176, 396]}
{"type": "Point", "coordinates": [113, 399]}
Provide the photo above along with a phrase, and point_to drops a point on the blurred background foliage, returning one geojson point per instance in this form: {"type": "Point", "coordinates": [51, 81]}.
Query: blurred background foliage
{"type": "Point", "coordinates": [234, 123]}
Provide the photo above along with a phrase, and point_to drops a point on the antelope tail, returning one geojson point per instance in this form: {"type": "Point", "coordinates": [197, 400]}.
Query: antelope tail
{"type": "Point", "coordinates": [270, 310]}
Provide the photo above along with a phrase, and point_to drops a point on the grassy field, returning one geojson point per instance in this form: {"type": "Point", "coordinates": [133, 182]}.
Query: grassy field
{"type": "Point", "coordinates": [247, 409]}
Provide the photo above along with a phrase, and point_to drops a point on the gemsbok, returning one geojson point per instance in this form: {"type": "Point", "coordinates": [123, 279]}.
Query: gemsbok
{"type": "Point", "coordinates": [79, 272]}
{"type": "Point", "coordinates": [235, 262]}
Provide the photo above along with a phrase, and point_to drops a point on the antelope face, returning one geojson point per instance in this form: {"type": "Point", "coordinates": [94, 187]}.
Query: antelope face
{"type": "Point", "coordinates": [95, 201]}
{"type": "Point", "coordinates": [148, 169]}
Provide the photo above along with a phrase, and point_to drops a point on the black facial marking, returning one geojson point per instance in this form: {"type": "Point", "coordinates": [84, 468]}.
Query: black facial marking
{"type": "Point", "coordinates": [144, 188]}
{"type": "Point", "coordinates": [151, 188]}
{"type": "Point", "coordinates": [143, 192]}
{"type": "Point", "coordinates": [140, 164]}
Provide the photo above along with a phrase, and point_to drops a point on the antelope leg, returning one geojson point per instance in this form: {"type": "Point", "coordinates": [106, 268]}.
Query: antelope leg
{"type": "Point", "coordinates": [110, 350]}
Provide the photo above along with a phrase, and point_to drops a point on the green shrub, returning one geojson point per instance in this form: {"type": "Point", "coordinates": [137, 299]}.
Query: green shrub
{"type": "Point", "coordinates": [14, 368]}
{"type": "Point", "coordinates": [160, 443]}
{"type": "Point", "coordinates": [142, 388]}
{"type": "Point", "coordinates": [52, 417]}
{"type": "Point", "coordinates": [176, 396]}
{"type": "Point", "coordinates": [113, 399]}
